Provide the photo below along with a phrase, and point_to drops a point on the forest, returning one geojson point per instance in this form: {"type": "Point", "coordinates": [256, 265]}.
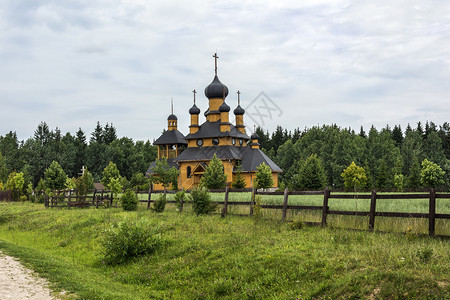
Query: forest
{"type": "Point", "coordinates": [386, 155]}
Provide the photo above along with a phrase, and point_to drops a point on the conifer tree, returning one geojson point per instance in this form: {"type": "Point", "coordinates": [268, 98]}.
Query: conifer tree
{"type": "Point", "coordinates": [238, 180]}
{"type": "Point", "coordinates": [214, 177]}
{"type": "Point", "coordinates": [311, 175]}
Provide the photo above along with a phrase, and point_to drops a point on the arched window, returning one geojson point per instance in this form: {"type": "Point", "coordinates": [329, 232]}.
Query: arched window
{"type": "Point", "coordinates": [188, 171]}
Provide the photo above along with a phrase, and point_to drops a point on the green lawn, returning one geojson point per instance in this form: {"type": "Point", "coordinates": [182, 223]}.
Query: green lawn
{"type": "Point", "coordinates": [210, 257]}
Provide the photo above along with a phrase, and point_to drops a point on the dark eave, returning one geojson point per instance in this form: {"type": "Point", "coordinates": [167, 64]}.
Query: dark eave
{"type": "Point", "coordinates": [171, 137]}
{"type": "Point", "coordinates": [212, 129]}
{"type": "Point", "coordinates": [170, 162]}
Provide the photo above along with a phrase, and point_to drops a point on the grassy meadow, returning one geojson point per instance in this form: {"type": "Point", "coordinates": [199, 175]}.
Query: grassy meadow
{"type": "Point", "coordinates": [209, 257]}
{"type": "Point", "coordinates": [414, 225]}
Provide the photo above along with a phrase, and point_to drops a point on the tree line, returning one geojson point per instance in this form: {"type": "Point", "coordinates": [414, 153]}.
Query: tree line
{"type": "Point", "coordinates": [386, 155]}
{"type": "Point", "coordinates": [35, 155]}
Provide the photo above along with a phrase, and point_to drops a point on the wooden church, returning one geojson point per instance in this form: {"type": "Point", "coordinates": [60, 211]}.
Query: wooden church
{"type": "Point", "coordinates": [217, 135]}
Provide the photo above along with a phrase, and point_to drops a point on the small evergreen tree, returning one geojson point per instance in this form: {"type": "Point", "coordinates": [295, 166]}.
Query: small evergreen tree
{"type": "Point", "coordinates": [129, 201]}
{"type": "Point", "coordinates": [264, 178]}
{"type": "Point", "coordinates": [84, 183]}
{"type": "Point", "coordinates": [201, 201]}
{"type": "Point", "coordinates": [214, 177]}
{"type": "Point", "coordinates": [414, 174]}
{"type": "Point", "coordinates": [238, 180]}
{"type": "Point", "coordinates": [311, 174]}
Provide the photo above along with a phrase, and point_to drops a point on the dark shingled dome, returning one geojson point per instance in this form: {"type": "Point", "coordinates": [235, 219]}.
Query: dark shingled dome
{"type": "Point", "coordinates": [172, 117]}
{"type": "Point", "coordinates": [224, 107]}
{"type": "Point", "coordinates": [215, 89]}
{"type": "Point", "coordinates": [194, 110]}
{"type": "Point", "coordinates": [254, 136]}
{"type": "Point", "coordinates": [239, 110]}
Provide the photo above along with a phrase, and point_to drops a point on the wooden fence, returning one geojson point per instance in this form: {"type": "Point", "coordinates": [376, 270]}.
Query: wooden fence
{"type": "Point", "coordinates": [105, 199]}
{"type": "Point", "coordinates": [324, 208]}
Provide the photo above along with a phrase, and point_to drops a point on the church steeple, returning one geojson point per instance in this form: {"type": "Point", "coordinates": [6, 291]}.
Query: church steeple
{"type": "Point", "coordinates": [172, 120]}
{"type": "Point", "coordinates": [194, 111]}
{"type": "Point", "coordinates": [216, 92]}
{"type": "Point", "coordinates": [239, 113]}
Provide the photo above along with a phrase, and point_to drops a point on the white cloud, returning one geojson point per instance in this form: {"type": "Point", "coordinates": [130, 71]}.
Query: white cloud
{"type": "Point", "coordinates": [72, 64]}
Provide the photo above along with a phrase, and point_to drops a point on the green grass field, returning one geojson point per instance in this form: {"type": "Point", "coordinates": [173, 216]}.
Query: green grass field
{"type": "Point", "coordinates": [415, 225]}
{"type": "Point", "coordinates": [209, 257]}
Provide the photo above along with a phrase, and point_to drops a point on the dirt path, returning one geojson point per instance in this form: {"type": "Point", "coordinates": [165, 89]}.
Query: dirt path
{"type": "Point", "coordinates": [17, 282]}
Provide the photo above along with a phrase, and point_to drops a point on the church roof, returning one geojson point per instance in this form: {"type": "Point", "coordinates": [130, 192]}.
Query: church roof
{"type": "Point", "coordinates": [170, 162]}
{"type": "Point", "coordinates": [172, 117]}
{"type": "Point", "coordinates": [253, 158]}
{"type": "Point", "coordinates": [171, 137]}
{"type": "Point", "coordinates": [250, 158]}
{"type": "Point", "coordinates": [212, 129]}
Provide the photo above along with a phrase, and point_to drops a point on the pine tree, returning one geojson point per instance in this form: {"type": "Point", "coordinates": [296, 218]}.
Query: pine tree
{"type": "Point", "coordinates": [311, 175]}
{"type": "Point", "coordinates": [238, 180]}
{"type": "Point", "coordinates": [397, 135]}
{"type": "Point", "coordinates": [414, 174]}
{"type": "Point", "coordinates": [214, 177]}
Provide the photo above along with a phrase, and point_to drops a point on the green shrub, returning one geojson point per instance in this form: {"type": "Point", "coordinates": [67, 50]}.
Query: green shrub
{"type": "Point", "coordinates": [201, 201]}
{"type": "Point", "coordinates": [180, 197]}
{"type": "Point", "coordinates": [160, 203]}
{"type": "Point", "coordinates": [129, 201]}
{"type": "Point", "coordinates": [129, 239]}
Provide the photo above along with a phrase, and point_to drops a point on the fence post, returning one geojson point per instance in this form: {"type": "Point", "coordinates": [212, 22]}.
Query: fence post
{"type": "Point", "coordinates": [149, 196]}
{"type": "Point", "coordinates": [225, 203]}
{"type": "Point", "coordinates": [285, 203]}
{"type": "Point", "coordinates": [252, 201]}
{"type": "Point", "coordinates": [182, 204]}
{"type": "Point", "coordinates": [432, 213]}
{"type": "Point", "coordinates": [68, 200]}
{"type": "Point", "coordinates": [373, 205]}
{"type": "Point", "coordinates": [112, 199]}
{"type": "Point", "coordinates": [46, 204]}
{"type": "Point", "coordinates": [93, 199]}
{"type": "Point", "coordinates": [326, 194]}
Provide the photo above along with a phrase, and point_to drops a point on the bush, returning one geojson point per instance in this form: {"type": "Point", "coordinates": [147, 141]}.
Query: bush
{"type": "Point", "coordinates": [129, 239]}
{"type": "Point", "coordinates": [201, 201]}
{"type": "Point", "coordinates": [160, 203]}
{"type": "Point", "coordinates": [180, 198]}
{"type": "Point", "coordinates": [129, 201]}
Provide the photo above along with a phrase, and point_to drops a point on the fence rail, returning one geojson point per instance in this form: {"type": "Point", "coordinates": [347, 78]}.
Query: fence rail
{"type": "Point", "coordinates": [105, 199]}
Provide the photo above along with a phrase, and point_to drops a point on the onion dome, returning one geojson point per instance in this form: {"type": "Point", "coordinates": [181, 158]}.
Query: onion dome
{"type": "Point", "coordinates": [194, 110]}
{"type": "Point", "coordinates": [224, 107]}
{"type": "Point", "coordinates": [216, 89]}
{"type": "Point", "coordinates": [172, 117]}
{"type": "Point", "coordinates": [239, 111]}
{"type": "Point", "coordinates": [254, 136]}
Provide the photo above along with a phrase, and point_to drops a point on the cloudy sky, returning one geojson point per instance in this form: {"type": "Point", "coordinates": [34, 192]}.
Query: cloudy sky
{"type": "Point", "coordinates": [296, 63]}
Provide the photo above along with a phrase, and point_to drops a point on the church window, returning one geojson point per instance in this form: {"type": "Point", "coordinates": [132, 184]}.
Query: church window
{"type": "Point", "coordinates": [233, 141]}
{"type": "Point", "coordinates": [199, 142]}
{"type": "Point", "coordinates": [188, 171]}
{"type": "Point", "coordinates": [241, 141]}
{"type": "Point", "coordinates": [215, 141]}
